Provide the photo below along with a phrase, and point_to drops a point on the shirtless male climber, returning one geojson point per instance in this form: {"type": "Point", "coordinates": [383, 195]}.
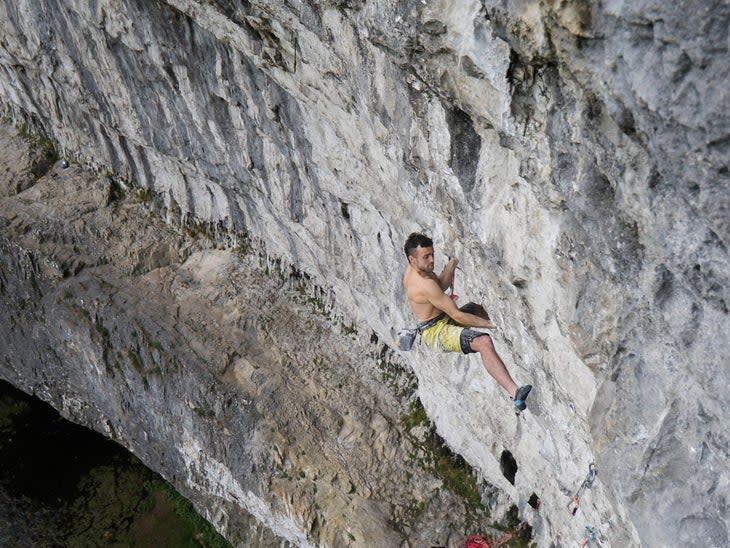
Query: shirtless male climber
{"type": "Point", "coordinates": [445, 327]}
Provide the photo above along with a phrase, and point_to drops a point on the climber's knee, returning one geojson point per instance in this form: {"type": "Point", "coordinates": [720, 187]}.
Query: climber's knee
{"type": "Point", "coordinates": [476, 341]}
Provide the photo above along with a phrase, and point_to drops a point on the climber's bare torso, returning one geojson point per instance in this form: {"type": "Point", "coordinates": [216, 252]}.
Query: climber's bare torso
{"type": "Point", "coordinates": [419, 282]}
{"type": "Point", "coordinates": [425, 290]}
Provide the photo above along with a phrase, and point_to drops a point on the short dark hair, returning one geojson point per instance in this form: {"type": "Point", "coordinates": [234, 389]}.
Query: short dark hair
{"type": "Point", "coordinates": [414, 240]}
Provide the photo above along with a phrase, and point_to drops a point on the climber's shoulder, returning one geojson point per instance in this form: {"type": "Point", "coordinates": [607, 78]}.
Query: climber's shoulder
{"type": "Point", "coordinates": [419, 287]}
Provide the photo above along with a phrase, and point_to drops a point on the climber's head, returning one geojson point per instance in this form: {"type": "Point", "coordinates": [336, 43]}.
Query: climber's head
{"type": "Point", "coordinates": [419, 252]}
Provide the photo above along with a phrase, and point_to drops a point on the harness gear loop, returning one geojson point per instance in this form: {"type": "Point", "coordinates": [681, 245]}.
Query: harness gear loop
{"type": "Point", "coordinates": [587, 484]}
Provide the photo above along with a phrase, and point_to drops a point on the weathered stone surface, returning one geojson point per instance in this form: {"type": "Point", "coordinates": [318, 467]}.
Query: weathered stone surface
{"type": "Point", "coordinates": [573, 155]}
{"type": "Point", "coordinates": [229, 375]}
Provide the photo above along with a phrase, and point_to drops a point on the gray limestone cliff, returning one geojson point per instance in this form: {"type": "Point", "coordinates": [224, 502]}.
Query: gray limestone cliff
{"type": "Point", "coordinates": [222, 296]}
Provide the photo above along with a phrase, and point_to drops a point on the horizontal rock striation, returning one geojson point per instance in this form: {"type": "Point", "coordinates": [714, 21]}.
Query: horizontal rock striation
{"type": "Point", "coordinates": [572, 155]}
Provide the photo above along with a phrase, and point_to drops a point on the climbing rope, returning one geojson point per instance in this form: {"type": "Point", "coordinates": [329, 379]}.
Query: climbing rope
{"type": "Point", "coordinates": [587, 484]}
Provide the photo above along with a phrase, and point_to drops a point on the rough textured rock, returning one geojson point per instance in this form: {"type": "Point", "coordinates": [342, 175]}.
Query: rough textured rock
{"type": "Point", "coordinates": [231, 376]}
{"type": "Point", "coordinates": [573, 155]}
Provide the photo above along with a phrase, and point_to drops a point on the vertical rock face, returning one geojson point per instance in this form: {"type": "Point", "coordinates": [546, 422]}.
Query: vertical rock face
{"type": "Point", "coordinates": [572, 155]}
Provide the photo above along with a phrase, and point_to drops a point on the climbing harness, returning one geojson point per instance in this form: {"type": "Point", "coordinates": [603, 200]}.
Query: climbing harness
{"type": "Point", "coordinates": [587, 484]}
{"type": "Point", "coordinates": [476, 541]}
{"type": "Point", "coordinates": [590, 537]}
{"type": "Point", "coordinates": [406, 337]}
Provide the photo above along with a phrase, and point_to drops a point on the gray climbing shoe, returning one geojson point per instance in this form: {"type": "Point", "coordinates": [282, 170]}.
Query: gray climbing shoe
{"type": "Point", "coordinates": [521, 396]}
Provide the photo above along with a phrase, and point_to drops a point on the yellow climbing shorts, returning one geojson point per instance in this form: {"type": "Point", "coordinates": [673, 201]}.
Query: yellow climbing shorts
{"type": "Point", "coordinates": [446, 336]}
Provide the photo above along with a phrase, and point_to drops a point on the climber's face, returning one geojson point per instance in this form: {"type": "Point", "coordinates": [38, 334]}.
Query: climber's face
{"type": "Point", "coordinates": [422, 259]}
